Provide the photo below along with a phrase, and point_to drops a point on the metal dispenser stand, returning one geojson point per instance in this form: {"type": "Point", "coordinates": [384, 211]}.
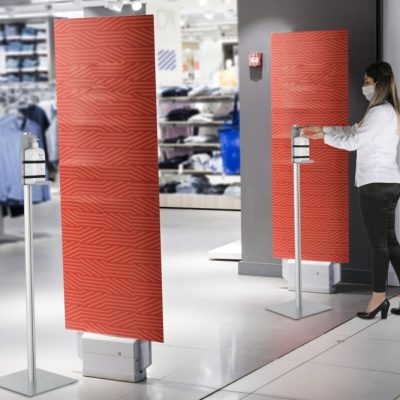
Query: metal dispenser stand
{"type": "Point", "coordinates": [298, 308]}
{"type": "Point", "coordinates": [32, 381]}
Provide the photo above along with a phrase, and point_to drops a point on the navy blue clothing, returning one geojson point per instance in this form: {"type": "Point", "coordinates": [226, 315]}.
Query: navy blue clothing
{"type": "Point", "coordinates": [11, 184]}
{"type": "Point", "coordinates": [36, 114]}
{"type": "Point", "coordinates": [175, 91]}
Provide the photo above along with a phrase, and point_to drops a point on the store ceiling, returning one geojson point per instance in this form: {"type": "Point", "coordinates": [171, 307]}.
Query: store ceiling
{"type": "Point", "coordinates": [6, 3]}
{"type": "Point", "coordinates": [194, 12]}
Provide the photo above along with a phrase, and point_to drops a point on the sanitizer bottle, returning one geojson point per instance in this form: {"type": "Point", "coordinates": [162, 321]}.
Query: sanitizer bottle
{"type": "Point", "coordinates": [34, 164]}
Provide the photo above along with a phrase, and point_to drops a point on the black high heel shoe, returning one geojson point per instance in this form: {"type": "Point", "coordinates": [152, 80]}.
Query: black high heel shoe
{"type": "Point", "coordinates": [383, 308]}
{"type": "Point", "coordinates": [395, 310]}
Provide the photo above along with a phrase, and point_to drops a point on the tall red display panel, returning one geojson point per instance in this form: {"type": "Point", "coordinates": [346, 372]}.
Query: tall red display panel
{"type": "Point", "coordinates": [309, 79]}
{"type": "Point", "coordinates": [109, 176]}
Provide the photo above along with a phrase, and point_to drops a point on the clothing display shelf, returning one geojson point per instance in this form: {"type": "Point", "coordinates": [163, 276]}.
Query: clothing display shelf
{"type": "Point", "coordinates": [187, 172]}
{"type": "Point", "coordinates": [29, 57]}
{"type": "Point", "coordinates": [196, 201]}
{"type": "Point", "coordinates": [215, 146]}
{"type": "Point", "coordinates": [197, 99]}
{"type": "Point", "coordinates": [199, 201]}
{"type": "Point", "coordinates": [188, 124]}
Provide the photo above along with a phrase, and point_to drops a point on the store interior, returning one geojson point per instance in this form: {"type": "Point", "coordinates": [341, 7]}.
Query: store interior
{"type": "Point", "coordinates": [220, 269]}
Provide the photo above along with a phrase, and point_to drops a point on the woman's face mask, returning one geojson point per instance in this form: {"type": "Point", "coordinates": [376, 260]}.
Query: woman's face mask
{"type": "Point", "coordinates": [369, 91]}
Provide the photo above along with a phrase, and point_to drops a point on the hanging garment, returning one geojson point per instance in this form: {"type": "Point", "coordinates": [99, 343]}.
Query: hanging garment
{"type": "Point", "coordinates": [11, 185]}
{"type": "Point", "coordinates": [49, 107]}
{"type": "Point", "coordinates": [36, 114]}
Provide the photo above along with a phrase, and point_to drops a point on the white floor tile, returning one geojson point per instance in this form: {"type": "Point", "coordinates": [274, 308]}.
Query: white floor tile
{"type": "Point", "coordinates": [260, 397]}
{"type": "Point", "coordinates": [223, 395]}
{"type": "Point", "coordinates": [160, 390]}
{"type": "Point", "coordinates": [217, 371]}
{"type": "Point", "coordinates": [198, 335]}
{"type": "Point", "coordinates": [322, 382]}
{"type": "Point", "coordinates": [314, 348]}
{"type": "Point", "coordinates": [376, 355]}
{"type": "Point", "coordinates": [168, 359]}
{"type": "Point", "coordinates": [388, 329]}
{"type": "Point", "coordinates": [207, 308]}
{"type": "Point", "coordinates": [352, 327]}
{"type": "Point", "coordinates": [259, 378]}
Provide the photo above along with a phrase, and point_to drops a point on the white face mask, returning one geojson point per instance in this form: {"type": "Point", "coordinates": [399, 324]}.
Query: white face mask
{"type": "Point", "coordinates": [368, 91]}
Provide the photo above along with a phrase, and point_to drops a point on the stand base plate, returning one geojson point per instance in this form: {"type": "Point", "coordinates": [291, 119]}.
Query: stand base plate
{"type": "Point", "coordinates": [289, 309]}
{"type": "Point", "coordinates": [45, 382]}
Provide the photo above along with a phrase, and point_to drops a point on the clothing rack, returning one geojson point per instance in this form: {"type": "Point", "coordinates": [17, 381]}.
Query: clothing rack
{"type": "Point", "coordinates": [12, 97]}
{"type": "Point", "coordinates": [12, 94]}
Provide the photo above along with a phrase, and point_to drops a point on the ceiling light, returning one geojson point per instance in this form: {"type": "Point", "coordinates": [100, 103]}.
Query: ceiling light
{"type": "Point", "coordinates": [115, 5]}
{"type": "Point", "coordinates": [209, 15]}
{"type": "Point", "coordinates": [203, 2]}
{"type": "Point", "coordinates": [136, 5]}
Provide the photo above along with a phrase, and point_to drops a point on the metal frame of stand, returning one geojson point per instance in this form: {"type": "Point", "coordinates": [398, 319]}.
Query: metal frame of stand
{"type": "Point", "coordinates": [298, 308]}
{"type": "Point", "coordinates": [32, 381]}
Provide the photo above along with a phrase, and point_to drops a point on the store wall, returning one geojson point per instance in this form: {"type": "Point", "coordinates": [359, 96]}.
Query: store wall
{"type": "Point", "coordinates": [391, 34]}
{"type": "Point", "coordinates": [256, 23]}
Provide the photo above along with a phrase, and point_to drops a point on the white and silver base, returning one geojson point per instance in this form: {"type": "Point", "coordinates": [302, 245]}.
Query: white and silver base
{"type": "Point", "coordinates": [44, 382]}
{"type": "Point", "coordinates": [290, 309]}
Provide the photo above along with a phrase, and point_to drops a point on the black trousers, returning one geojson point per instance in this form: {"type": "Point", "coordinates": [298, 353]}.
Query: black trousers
{"type": "Point", "coordinates": [378, 203]}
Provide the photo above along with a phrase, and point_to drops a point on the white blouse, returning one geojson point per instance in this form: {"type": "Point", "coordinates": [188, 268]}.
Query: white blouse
{"type": "Point", "coordinates": [376, 142]}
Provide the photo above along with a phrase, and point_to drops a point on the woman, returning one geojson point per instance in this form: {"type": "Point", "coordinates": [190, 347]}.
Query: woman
{"type": "Point", "coordinates": [375, 139]}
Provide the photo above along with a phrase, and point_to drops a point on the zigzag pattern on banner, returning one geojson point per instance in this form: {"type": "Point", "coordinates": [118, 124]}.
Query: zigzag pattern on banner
{"type": "Point", "coordinates": [303, 92]}
{"type": "Point", "coordinates": [109, 176]}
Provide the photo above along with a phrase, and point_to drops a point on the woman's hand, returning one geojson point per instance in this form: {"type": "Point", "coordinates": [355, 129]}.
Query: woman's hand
{"type": "Point", "coordinates": [313, 131]}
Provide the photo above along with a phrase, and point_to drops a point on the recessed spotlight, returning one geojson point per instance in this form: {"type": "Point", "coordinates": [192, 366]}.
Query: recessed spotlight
{"type": "Point", "coordinates": [136, 5]}
{"type": "Point", "coordinates": [203, 3]}
{"type": "Point", "coordinates": [115, 5]}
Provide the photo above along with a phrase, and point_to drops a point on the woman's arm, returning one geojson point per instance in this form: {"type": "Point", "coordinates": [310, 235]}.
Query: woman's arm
{"type": "Point", "coordinates": [339, 130]}
{"type": "Point", "coordinates": [372, 125]}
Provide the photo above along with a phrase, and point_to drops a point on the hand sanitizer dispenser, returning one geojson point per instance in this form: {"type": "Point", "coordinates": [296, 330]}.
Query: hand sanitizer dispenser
{"type": "Point", "coordinates": [34, 163]}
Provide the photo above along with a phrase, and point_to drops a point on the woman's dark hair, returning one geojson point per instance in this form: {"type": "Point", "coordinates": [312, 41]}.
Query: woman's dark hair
{"type": "Point", "coordinates": [385, 85]}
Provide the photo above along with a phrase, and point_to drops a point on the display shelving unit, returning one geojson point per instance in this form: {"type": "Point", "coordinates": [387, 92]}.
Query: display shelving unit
{"type": "Point", "coordinates": [46, 39]}
{"type": "Point", "coordinates": [201, 201]}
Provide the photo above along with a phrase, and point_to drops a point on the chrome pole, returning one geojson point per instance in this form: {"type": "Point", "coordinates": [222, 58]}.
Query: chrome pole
{"type": "Point", "coordinates": [33, 381]}
{"type": "Point", "coordinates": [297, 234]}
{"type": "Point", "coordinates": [30, 304]}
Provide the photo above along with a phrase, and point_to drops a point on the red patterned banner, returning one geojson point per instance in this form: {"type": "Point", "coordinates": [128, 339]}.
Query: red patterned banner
{"type": "Point", "coordinates": [109, 176]}
{"type": "Point", "coordinates": [309, 79]}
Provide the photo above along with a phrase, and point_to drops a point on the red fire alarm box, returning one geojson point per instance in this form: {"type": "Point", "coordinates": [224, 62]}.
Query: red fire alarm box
{"type": "Point", "coordinates": [255, 59]}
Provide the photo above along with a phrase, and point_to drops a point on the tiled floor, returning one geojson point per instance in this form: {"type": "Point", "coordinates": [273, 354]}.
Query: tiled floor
{"type": "Point", "coordinates": [216, 326]}
{"type": "Point", "coordinates": [357, 361]}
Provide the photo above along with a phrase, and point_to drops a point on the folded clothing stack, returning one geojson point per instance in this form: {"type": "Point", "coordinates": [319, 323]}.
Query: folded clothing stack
{"type": "Point", "coordinates": [201, 117]}
{"type": "Point", "coordinates": [182, 114]}
{"type": "Point", "coordinates": [173, 162]}
{"type": "Point", "coordinates": [175, 91]}
{"type": "Point", "coordinates": [169, 187]}
{"type": "Point", "coordinates": [201, 139]}
{"type": "Point", "coordinates": [13, 63]}
{"type": "Point", "coordinates": [12, 29]}
{"type": "Point", "coordinates": [233, 190]}
{"type": "Point", "coordinates": [175, 140]}
{"type": "Point", "coordinates": [194, 185]}
{"type": "Point", "coordinates": [201, 162]}
{"type": "Point", "coordinates": [30, 62]}
{"type": "Point", "coordinates": [14, 46]}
